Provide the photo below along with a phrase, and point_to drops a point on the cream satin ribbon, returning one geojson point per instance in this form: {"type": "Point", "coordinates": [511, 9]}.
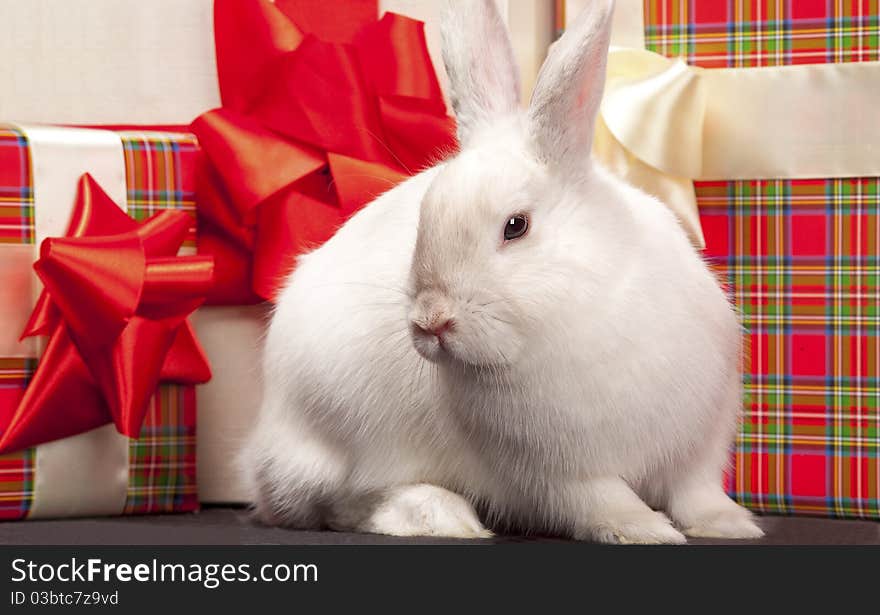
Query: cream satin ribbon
{"type": "Point", "coordinates": [650, 129]}
{"type": "Point", "coordinates": [663, 124]}
{"type": "Point", "coordinates": [86, 474]}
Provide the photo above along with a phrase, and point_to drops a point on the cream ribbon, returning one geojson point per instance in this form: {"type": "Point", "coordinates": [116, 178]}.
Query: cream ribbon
{"type": "Point", "coordinates": [664, 124]}
{"type": "Point", "coordinates": [86, 474]}
{"type": "Point", "coordinates": [650, 129]}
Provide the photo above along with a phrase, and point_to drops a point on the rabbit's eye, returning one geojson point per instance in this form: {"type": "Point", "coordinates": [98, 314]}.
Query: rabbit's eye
{"type": "Point", "coordinates": [516, 227]}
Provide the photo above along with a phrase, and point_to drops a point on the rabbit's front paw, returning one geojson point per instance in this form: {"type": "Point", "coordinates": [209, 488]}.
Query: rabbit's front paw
{"type": "Point", "coordinates": [636, 527]}
{"type": "Point", "coordinates": [425, 510]}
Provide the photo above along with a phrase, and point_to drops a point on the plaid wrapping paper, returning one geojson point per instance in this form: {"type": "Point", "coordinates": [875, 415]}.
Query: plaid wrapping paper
{"type": "Point", "coordinates": [16, 188]}
{"type": "Point", "coordinates": [162, 462]}
{"type": "Point", "coordinates": [800, 259]}
{"type": "Point", "coordinates": [737, 33]}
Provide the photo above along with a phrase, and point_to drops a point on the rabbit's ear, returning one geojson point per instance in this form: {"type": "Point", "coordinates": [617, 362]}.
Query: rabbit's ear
{"type": "Point", "coordinates": [483, 77]}
{"type": "Point", "coordinates": [569, 88]}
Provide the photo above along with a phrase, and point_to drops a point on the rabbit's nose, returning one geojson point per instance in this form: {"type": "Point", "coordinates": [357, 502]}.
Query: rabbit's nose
{"type": "Point", "coordinates": [436, 326]}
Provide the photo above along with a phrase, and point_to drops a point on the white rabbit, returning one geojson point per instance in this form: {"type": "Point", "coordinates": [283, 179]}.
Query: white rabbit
{"type": "Point", "coordinates": [513, 330]}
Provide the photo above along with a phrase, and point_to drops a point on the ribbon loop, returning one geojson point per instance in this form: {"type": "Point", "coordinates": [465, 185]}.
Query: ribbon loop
{"type": "Point", "coordinates": [95, 282]}
{"type": "Point", "coordinates": [174, 286]}
{"type": "Point", "coordinates": [163, 233]}
{"type": "Point", "coordinates": [669, 94]}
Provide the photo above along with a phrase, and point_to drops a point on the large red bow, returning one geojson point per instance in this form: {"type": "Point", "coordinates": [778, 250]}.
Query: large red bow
{"type": "Point", "coordinates": [114, 306]}
{"type": "Point", "coordinates": [310, 131]}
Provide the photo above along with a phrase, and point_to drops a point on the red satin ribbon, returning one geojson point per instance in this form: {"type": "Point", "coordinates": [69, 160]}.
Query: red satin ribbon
{"type": "Point", "coordinates": [114, 306]}
{"type": "Point", "coordinates": [309, 132]}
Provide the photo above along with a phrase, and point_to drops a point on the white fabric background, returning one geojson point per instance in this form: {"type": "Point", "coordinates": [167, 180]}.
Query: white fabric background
{"type": "Point", "coordinates": [106, 61]}
{"type": "Point", "coordinates": [152, 62]}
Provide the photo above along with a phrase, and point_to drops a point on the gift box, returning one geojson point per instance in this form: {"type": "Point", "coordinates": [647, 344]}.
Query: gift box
{"type": "Point", "coordinates": [801, 259]}
{"type": "Point", "coordinates": [772, 108]}
{"type": "Point", "coordinates": [99, 471]}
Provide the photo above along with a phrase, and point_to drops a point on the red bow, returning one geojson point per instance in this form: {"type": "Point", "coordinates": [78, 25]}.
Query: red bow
{"type": "Point", "coordinates": [114, 306]}
{"type": "Point", "coordinates": [310, 131]}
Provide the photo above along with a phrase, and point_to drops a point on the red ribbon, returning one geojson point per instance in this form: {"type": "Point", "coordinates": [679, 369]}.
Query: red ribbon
{"type": "Point", "coordinates": [309, 132]}
{"type": "Point", "coordinates": [114, 306]}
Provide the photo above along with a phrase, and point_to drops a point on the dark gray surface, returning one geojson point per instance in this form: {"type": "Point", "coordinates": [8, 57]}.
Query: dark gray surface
{"type": "Point", "coordinates": [216, 526]}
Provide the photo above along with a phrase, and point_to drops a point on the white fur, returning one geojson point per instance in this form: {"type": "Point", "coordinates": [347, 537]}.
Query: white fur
{"type": "Point", "coordinates": [592, 372]}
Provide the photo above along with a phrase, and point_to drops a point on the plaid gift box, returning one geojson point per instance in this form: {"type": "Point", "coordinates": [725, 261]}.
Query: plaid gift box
{"type": "Point", "coordinates": [159, 174]}
{"type": "Point", "coordinates": [800, 258]}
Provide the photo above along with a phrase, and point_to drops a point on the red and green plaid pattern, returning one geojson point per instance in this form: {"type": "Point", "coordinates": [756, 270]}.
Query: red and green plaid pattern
{"type": "Point", "coordinates": [801, 261]}
{"type": "Point", "coordinates": [16, 227]}
{"type": "Point", "coordinates": [726, 33]}
{"type": "Point", "coordinates": [160, 174]}
{"type": "Point", "coordinates": [162, 462]}
{"type": "Point", "coordinates": [16, 190]}
{"type": "Point", "coordinates": [16, 469]}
